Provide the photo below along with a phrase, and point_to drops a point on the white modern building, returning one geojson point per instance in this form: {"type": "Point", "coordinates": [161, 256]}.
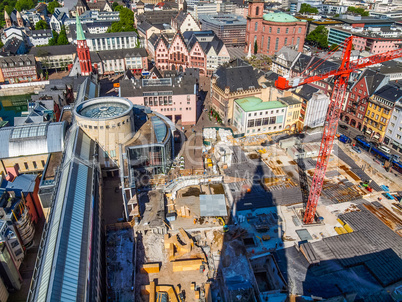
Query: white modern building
{"type": "Point", "coordinates": [316, 111]}
{"type": "Point", "coordinates": [253, 116]}
{"type": "Point", "coordinates": [40, 37]}
{"type": "Point", "coordinates": [393, 134]}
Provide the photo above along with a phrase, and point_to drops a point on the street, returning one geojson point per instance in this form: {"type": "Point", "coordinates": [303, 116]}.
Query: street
{"type": "Point", "coordinates": [353, 132]}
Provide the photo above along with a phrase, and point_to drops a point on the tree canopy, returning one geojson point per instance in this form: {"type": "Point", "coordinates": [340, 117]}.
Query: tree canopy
{"type": "Point", "coordinates": [126, 22]}
{"type": "Point", "coordinates": [114, 5]}
{"type": "Point", "coordinates": [319, 36]}
{"type": "Point", "coordinates": [52, 5]}
{"type": "Point", "coordinates": [41, 24]}
{"type": "Point", "coordinates": [358, 10]}
{"type": "Point", "coordinates": [6, 5]}
{"type": "Point", "coordinates": [53, 41]}
{"type": "Point", "coordinates": [62, 39]}
{"type": "Point", "coordinates": [307, 8]}
{"type": "Point", "coordinates": [24, 5]}
{"type": "Point", "coordinates": [59, 39]}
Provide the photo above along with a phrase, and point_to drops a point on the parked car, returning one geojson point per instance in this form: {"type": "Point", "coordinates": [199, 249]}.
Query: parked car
{"type": "Point", "coordinates": [385, 149]}
{"type": "Point", "coordinates": [356, 149]}
{"type": "Point", "coordinates": [343, 127]}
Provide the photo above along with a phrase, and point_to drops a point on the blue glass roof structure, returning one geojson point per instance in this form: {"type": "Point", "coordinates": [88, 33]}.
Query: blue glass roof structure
{"type": "Point", "coordinates": [160, 128]}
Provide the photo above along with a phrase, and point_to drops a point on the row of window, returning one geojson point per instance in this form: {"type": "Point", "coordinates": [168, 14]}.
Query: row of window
{"type": "Point", "coordinates": [278, 29]}
{"type": "Point", "coordinates": [265, 129]}
{"type": "Point", "coordinates": [34, 164]}
{"type": "Point", "coordinates": [374, 106]}
{"type": "Point", "coordinates": [107, 126]}
{"type": "Point", "coordinates": [266, 112]}
{"type": "Point", "coordinates": [264, 121]}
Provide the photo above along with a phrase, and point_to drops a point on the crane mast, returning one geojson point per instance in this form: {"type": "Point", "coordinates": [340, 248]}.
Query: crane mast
{"type": "Point", "coordinates": [341, 76]}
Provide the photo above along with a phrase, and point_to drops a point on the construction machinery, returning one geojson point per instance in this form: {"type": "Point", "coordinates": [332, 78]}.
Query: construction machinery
{"type": "Point", "coordinates": [341, 78]}
{"type": "Point", "coordinates": [225, 227]}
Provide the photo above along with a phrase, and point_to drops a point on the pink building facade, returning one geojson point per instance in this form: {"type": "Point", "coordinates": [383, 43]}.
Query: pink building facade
{"type": "Point", "coordinates": [202, 50]}
{"type": "Point", "coordinates": [376, 45]}
{"type": "Point", "coordinates": [175, 98]}
{"type": "Point", "coordinates": [272, 31]}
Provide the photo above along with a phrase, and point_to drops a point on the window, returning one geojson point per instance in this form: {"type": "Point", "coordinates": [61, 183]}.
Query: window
{"type": "Point", "coordinates": [43, 163]}
{"type": "Point", "coordinates": [263, 29]}
{"type": "Point", "coordinates": [262, 42]}
{"type": "Point", "coordinates": [257, 10]}
{"type": "Point", "coordinates": [298, 41]}
{"type": "Point", "coordinates": [250, 123]}
{"type": "Point", "coordinates": [299, 30]}
{"type": "Point", "coordinates": [26, 166]}
{"type": "Point", "coordinates": [256, 26]}
{"type": "Point", "coordinates": [286, 41]}
{"type": "Point", "coordinates": [270, 29]}
{"type": "Point", "coordinates": [269, 42]}
{"type": "Point", "coordinates": [278, 30]}
{"type": "Point", "coordinates": [276, 44]}
{"type": "Point", "coordinates": [376, 117]}
{"type": "Point", "coordinates": [35, 165]}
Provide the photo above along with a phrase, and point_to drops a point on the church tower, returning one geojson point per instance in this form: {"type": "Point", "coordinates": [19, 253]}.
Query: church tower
{"type": "Point", "coordinates": [83, 50]}
{"type": "Point", "coordinates": [7, 19]}
{"type": "Point", "coordinates": [19, 19]}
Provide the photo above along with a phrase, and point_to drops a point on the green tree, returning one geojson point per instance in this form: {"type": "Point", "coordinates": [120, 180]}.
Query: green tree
{"type": "Point", "coordinates": [319, 36]}
{"type": "Point", "coordinates": [1, 44]}
{"type": "Point", "coordinates": [52, 5]}
{"type": "Point", "coordinates": [307, 8]}
{"type": "Point", "coordinates": [62, 39]}
{"type": "Point", "coordinates": [358, 10]}
{"type": "Point", "coordinates": [334, 47]}
{"type": "Point", "coordinates": [41, 24]}
{"type": "Point", "coordinates": [53, 40]}
{"type": "Point", "coordinates": [336, 16]}
{"type": "Point", "coordinates": [114, 5]}
{"type": "Point", "coordinates": [126, 22]}
{"type": "Point", "coordinates": [255, 47]}
{"type": "Point", "coordinates": [24, 5]}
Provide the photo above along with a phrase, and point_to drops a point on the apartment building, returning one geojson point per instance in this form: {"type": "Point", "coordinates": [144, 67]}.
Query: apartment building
{"type": "Point", "coordinates": [379, 111]}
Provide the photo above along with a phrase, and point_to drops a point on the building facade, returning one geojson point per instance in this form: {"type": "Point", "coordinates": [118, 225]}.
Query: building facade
{"type": "Point", "coordinates": [120, 60]}
{"type": "Point", "coordinates": [54, 57]}
{"type": "Point", "coordinates": [231, 29]}
{"type": "Point", "coordinates": [375, 40]}
{"type": "Point", "coordinates": [174, 98]}
{"type": "Point", "coordinates": [393, 134]}
{"type": "Point", "coordinates": [292, 119]}
{"type": "Point", "coordinates": [237, 81]}
{"type": "Point", "coordinates": [19, 69]}
{"type": "Point", "coordinates": [379, 111]}
{"type": "Point", "coordinates": [202, 50]}
{"type": "Point", "coordinates": [253, 116]}
{"type": "Point", "coordinates": [359, 93]}
{"type": "Point", "coordinates": [268, 33]}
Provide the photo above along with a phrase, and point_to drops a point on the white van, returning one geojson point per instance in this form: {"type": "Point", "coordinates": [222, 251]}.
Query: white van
{"type": "Point", "coordinates": [385, 149]}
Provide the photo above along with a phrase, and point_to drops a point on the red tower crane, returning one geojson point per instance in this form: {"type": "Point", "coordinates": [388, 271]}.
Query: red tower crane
{"type": "Point", "coordinates": [341, 76]}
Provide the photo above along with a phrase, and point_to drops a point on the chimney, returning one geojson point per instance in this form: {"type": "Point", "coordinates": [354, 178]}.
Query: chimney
{"type": "Point", "coordinates": [12, 172]}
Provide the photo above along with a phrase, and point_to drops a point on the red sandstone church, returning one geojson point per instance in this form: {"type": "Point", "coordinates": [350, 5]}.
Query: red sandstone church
{"type": "Point", "coordinates": [272, 31]}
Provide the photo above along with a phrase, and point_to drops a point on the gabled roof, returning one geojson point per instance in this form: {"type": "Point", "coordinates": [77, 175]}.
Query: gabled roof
{"type": "Point", "coordinates": [306, 92]}
{"type": "Point", "coordinates": [163, 40]}
{"type": "Point", "coordinates": [390, 92]}
{"type": "Point", "coordinates": [242, 77]}
{"type": "Point", "coordinates": [211, 41]}
{"type": "Point", "coordinates": [301, 63]}
{"type": "Point", "coordinates": [178, 34]}
{"type": "Point", "coordinates": [155, 71]}
{"type": "Point", "coordinates": [288, 53]}
{"type": "Point", "coordinates": [373, 80]}
{"type": "Point", "coordinates": [120, 53]}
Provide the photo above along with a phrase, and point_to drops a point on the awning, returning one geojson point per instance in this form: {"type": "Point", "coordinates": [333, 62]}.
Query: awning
{"type": "Point", "coordinates": [377, 136]}
{"type": "Point", "coordinates": [368, 130]}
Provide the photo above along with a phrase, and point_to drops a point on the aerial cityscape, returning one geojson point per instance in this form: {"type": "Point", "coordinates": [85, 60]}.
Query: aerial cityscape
{"type": "Point", "coordinates": [201, 150]}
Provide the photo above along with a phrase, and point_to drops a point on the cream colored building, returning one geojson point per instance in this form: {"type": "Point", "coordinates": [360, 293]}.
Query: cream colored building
{"type": "Point", "coordinates": [292, 119]}
{"type": "Point", "coordinates": [108, 121]}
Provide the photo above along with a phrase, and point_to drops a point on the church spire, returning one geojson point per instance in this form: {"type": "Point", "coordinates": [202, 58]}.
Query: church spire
{"type": "Point", "coordinates": [80, 32]}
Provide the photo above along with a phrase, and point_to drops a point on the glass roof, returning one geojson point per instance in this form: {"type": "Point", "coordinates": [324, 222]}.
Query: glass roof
{"type": "Point", "coordinates": [159, 128]}
{"type": "Point", "coordinates": [29, 131]}
{"type": "Point", "coordinates": [104, 110]}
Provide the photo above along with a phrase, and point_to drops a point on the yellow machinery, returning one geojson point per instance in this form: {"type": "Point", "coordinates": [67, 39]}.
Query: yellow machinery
{"type": "Point", "coordinates": [225, 227]}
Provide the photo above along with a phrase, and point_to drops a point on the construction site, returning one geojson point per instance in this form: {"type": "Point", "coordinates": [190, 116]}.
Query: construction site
{"type": "Point", "coordinates": [271, 218]}
{"type": "Point", "coordinates": [236, 232]}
